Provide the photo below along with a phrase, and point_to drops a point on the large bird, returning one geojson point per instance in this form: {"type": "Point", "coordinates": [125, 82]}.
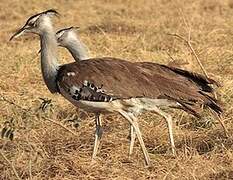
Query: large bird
{"type": "Point", "coordinates": [106, 85]}
{"type": "Point", "coordinates": [70, 39]}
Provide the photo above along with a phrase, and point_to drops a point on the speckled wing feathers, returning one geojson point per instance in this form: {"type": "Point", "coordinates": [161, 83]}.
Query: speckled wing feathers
{"type": "Point", "coordinates": [88, 91]}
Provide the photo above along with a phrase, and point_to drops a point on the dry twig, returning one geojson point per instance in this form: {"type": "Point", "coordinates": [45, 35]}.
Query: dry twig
{"type": "Point", "coordinates": [61, 125]}
{"type": "Point", "coordinates": [188, 42]}
{"type": "Point", "coordinates": [29, 110]}
{"type": "Point", "coordinates": [12, 166]}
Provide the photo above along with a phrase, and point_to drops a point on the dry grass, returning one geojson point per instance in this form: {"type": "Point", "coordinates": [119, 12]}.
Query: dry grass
{"type": "Point", "coordinates": [133, 30]}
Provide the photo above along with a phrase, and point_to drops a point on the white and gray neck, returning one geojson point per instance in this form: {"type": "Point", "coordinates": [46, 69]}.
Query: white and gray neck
{"type": "Point", "coordinates": [77, 49]}
{"type": "Point", "coordinates": [49, 64]}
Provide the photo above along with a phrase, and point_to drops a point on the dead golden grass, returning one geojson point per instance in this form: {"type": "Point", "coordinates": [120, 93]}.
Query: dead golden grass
{"type": "Point", "coordinates": [133, 30]}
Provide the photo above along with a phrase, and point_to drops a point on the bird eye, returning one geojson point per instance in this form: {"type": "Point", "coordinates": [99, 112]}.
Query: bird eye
{"type": "Point", "coordinates": [31, 24]}
{"type": "Point", "coordinates": [60, 39]}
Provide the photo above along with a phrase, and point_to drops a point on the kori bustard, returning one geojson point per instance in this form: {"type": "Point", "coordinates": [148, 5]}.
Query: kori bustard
{"type": "Point", "coordinates": [107, 85]}
{"type": "Point", "coordinates": [70, 39]}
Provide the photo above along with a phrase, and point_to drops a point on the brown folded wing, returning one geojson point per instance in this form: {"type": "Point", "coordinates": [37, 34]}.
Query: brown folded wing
{"type": "Point", "coordinates": [107, 79]}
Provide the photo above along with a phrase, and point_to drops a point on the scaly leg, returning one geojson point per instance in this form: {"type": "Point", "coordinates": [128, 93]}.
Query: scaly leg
{"type": "Point", "coordinates": [133, 121]}
{"type": "Point", "coordinates": [132, 140]}
{"type": "Point", "coordinates": [98, 134]}
{"type": "Point", "coordinates": [168, 118]}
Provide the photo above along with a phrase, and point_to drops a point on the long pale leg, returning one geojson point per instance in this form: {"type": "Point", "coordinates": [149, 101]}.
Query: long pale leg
{"type": "Point", "coordinates": [168, 118]}
{"type": "Point", "coordinates": [98, 134]}
{"type": "Point", "coordinates": [132, 140]}
{"type": "Point", "coordinates": [133, 121]}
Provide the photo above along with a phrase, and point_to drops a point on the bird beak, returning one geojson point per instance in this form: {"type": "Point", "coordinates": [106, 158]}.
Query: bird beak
{"type": "Point", "coordinates": [76, 27]}
{"type": "Point", "coordinates": [18, 33]}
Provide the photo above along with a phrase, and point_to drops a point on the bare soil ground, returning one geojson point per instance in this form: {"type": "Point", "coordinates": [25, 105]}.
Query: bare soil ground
{"type": "Point", "coordinates": [133, 30]}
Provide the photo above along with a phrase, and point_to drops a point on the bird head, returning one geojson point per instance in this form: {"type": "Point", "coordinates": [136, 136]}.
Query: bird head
{"type": "Point", "coordinates": [66, 36]}
{"type": "Point", "coordinates": [37, 23]}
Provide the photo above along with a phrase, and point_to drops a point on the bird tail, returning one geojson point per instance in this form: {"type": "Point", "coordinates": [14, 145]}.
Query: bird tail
{"type": "Point", "coordinates": [204, 84]}
{"type": "Point", "coordinates": [200, 80]}
{"type": "Point", "coordinates": [212, 103]}
{"type": "Point", "coordinates": [195, 107]}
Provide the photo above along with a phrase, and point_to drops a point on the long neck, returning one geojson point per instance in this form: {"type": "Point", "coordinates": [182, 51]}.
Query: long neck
{"type": "Point", "coordinates": [77, 49]}
{"type": "Point", "coordinates": [49, 64]}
